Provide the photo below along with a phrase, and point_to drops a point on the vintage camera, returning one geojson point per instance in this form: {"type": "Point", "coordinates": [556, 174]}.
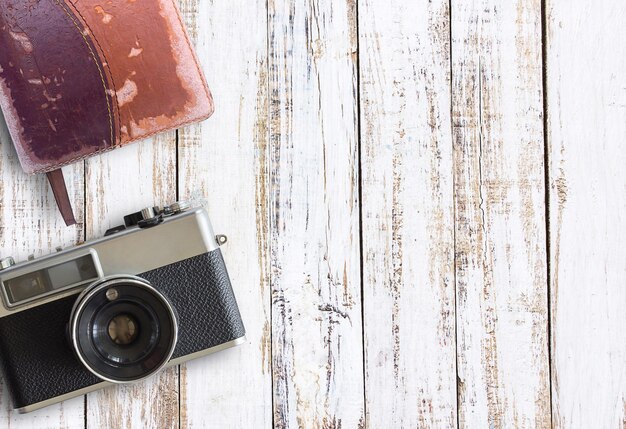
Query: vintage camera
{"type": "Point", "coordinates": [151, 293]}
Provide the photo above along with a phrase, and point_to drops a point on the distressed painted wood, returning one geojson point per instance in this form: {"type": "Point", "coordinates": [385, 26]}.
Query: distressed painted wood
{"type": "Point", "coordinates": [586, 78]}
{"type": "Point", "coordinates": [396, 280]}
{"type": "Point", "coordinates": [317, 355]}
{"type": "Point", "coordinates": [408, 215]}
{"type": "Point", "coordinates": [31, 224]}
{"type": "Point", "coordinates": [118, 183]}
{"type": "Point", "coordinates": [225, 159]}
{"type": "Point", "coordinates": [500, 233]}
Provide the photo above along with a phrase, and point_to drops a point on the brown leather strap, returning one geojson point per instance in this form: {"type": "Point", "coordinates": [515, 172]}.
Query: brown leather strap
{"type": "Point", "coordinates": [57, 182]}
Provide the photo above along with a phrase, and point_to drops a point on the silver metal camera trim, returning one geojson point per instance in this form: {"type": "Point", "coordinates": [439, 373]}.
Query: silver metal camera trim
{"type": "Point", "coordinates": [129, 252]}
{"type": "Point", "coordinates": [85, 390]}
{"type": "Point", "coordinates": [108, 282]}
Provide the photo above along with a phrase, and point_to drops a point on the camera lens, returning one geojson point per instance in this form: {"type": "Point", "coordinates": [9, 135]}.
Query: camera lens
{"type": "Point", "coordinates": [123, 329]}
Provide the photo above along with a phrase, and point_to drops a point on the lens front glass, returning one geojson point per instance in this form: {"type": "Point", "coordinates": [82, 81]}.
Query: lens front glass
{"type": "Point", "coordinates": [124, 331]}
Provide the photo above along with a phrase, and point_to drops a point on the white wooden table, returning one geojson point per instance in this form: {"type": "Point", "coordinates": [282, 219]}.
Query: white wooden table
{"type": "Point", "coordinates": [425, 204]}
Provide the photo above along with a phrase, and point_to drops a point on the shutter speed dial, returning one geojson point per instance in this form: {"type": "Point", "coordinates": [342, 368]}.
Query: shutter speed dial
{"type": "Point", "coordinates": [152, 216]}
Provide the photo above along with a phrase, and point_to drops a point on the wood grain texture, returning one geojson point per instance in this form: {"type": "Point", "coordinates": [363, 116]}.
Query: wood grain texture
{"type": "Point", "coordinates": [314, 215]}
{"type": "Point", "coordinates": [586, 79]}
{"type": "Point", "coordinates": [118, 183]}
{"type": "Point", "coordinates": [408, 217]}
{"type": "Point", "coordinates": [435, 313]}
{"type": "Point", "coordinates": [225, 159]}
{"type": "Point", "coordinates": [501, 265]}
{"type": "Point", "coordinates": [31, 224]}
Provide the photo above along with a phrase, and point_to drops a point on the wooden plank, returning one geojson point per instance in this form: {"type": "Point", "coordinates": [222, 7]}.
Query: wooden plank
{"type": "Point", "coordinates": [586, 81]}
{"type": "Point", "coordinates": [118, 183]}
{"type": "Point", "coordinates": [408, 241]}
{"type": "Point", "coordinates": [225, 159]}
{"type": "Point", "coordinates": [501, 274]}
{"type": "Point", "coordinates": [317, 348]}
{"type": "Point", "coordinates": [30, 223]}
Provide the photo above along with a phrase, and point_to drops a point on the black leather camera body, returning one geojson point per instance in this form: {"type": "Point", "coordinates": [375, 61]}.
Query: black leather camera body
{"type": "Point", "coordinates": [150, 294]}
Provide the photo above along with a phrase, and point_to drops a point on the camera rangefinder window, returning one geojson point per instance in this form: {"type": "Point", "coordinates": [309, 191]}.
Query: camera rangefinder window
{"type": "Point", "coordinates": [37, 283]}
{"type": "Point", "coordinates": [27, 286]}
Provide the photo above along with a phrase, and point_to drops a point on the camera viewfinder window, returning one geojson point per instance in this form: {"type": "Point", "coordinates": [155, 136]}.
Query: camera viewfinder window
{"type": "Point", "coordinates": [32, 285]}
{"type": "Point", "coordinates": [72, 272]}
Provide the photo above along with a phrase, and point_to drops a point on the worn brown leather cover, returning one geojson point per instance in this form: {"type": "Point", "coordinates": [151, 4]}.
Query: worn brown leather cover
{"type": "Point", "coordinates": [78, 77]}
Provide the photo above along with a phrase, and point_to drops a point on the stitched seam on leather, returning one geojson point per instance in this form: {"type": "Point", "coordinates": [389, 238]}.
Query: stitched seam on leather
{"type": "Point", "coordinates": [64, 8]}
{"type": "Point", "coordinates": [153, 133]}
{"type": "Point", "coordinates": [106, 61]}
{"type": "Point", "coordinates": [144, 137]}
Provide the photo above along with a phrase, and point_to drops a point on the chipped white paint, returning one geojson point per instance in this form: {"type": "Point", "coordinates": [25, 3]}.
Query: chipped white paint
{"type": "Point", "coordinates": [453, 205]}
{"type": "Point", "coordinates": [317, 350]}
{"type": "Point", "coordinates": [225, 159]}
{"type": "Point", "coordinates": [30, 224]}
{"type": "Point", "coordinates": [118, 183]}
{"type": "Point", "coordinates": [586, 62]}
{"type": "Point", "coordinates": [408, 214]}
{"type": "Point", "coordinates": [500, 238]}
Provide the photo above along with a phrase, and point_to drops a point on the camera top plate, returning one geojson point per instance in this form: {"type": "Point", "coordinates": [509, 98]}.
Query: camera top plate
{"type": "Point", "coordinates": [130, 251]}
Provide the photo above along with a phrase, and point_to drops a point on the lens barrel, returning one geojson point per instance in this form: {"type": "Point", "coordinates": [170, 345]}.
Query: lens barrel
{"type": "Point", "coordinates": [122, 329]}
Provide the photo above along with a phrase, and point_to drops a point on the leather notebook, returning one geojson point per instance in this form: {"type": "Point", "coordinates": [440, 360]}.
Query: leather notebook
{"type": "Point", "coordinates": [80, 77]}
